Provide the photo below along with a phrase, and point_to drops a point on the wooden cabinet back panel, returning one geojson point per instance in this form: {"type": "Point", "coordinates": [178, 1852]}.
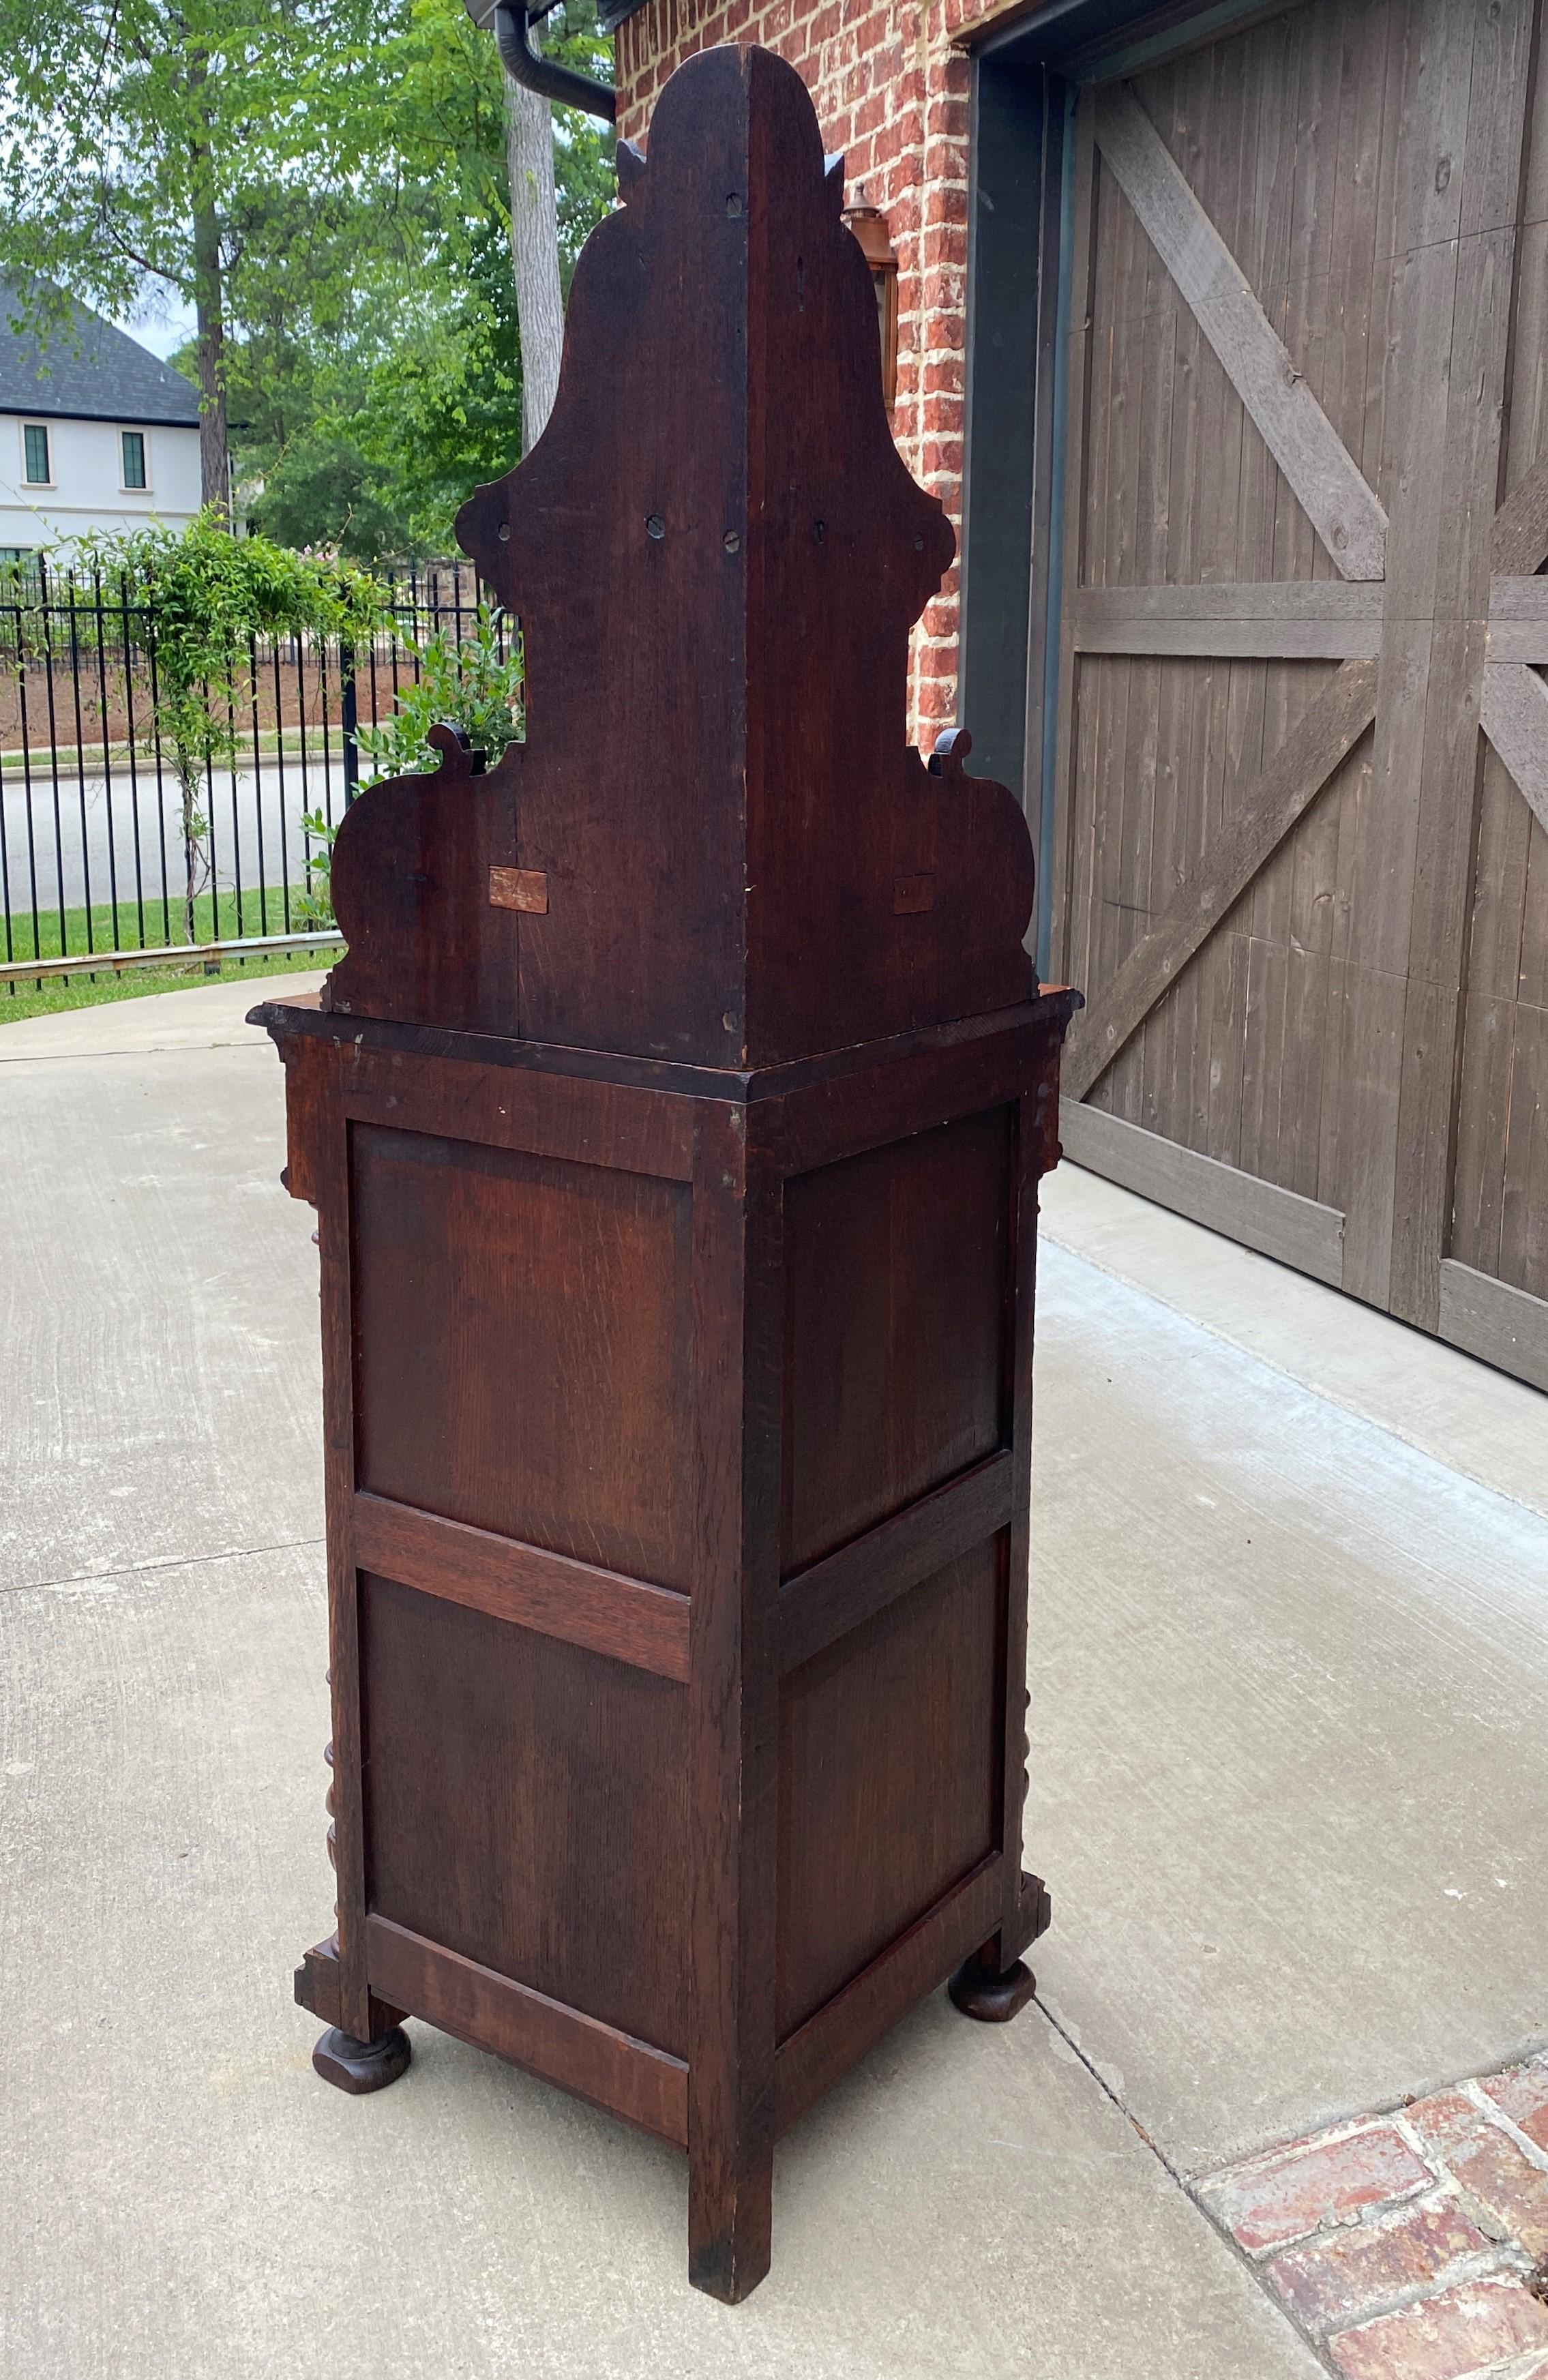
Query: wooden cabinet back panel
{"type": "Point", "coordinates": [890, 1776]}
{"type": "Point", "coordinates": [897, 1327]}
{"type": "Point", "coordinates": [523, 1347]}
{"type": "Point", "coordinates": [527, 1806]}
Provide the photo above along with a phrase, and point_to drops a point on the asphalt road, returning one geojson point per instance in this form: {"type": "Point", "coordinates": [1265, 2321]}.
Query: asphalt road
{"type": "Point", "coordinates": [103, 837]}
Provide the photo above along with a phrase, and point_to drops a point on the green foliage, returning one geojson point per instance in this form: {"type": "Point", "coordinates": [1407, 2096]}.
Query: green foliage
{"type": "Point", "coordinates": [205, 597]}
{"type": "Point", "coordinates": [313, 909]}
{"type": "Point", "coordinates": [474, 686]}
{"type": "Point", "coordinates": [349, 160]}
{"type": "Point", "coordinates": [390, 449]}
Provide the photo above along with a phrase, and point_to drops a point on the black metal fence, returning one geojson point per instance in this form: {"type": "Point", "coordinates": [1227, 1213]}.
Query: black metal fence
{"type": "Point", "coordinates": [93, 852]}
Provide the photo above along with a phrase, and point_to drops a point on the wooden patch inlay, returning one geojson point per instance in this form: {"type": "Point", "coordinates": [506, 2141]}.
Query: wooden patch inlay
{"type": "Point", "coordinates": [519, 888]}
{"type": "Point", "coordinates": [912, 895]}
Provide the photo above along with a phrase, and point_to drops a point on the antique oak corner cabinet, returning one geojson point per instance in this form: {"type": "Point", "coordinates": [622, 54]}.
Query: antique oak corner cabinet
{"type": "Point", "coordinates": [674, 1125]}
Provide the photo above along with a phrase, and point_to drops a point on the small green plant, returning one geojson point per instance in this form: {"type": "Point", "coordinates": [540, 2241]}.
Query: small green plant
{"type": "Point", "coordinates": [313, 909]}
{"type": "Point", "coordinates": [473, 683]}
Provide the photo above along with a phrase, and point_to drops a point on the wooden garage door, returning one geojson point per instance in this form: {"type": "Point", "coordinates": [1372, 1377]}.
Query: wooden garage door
{"type": "Point", "coordinates": [1300, 860]}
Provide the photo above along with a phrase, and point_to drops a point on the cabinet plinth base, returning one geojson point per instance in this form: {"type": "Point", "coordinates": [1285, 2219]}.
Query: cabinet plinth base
{"type": "Point", "coordinates": [361, 2066]}
{"type": "Point", "coordinates": [991, 1998]}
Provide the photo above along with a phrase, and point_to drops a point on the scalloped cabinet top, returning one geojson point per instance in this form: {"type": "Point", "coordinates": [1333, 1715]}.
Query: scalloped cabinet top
{"type": "Point", "coordinates": [715, 844]}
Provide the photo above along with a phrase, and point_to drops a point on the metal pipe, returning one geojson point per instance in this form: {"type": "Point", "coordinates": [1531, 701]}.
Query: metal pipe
{"type": "Point", "coordinates": [513, 33]}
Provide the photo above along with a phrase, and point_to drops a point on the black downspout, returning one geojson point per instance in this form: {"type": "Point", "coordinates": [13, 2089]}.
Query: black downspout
{"type": "Point", "coordinates": [513, 34]}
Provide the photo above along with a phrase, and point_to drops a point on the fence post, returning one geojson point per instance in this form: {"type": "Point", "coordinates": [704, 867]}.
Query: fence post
{"type": "Point", "coordinates": [349, 721]}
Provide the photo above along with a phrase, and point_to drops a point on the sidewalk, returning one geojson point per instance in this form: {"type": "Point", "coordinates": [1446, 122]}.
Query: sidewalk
{"type": "Point", "coordinates": [1290, 1790]}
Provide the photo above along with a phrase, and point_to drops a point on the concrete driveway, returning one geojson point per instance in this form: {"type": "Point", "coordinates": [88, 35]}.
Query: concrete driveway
{"type": "Point", "coordinates": [1289, 1670]}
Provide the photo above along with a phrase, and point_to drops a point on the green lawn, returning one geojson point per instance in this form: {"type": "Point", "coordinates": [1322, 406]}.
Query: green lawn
{"type": "Point", "coordinates": [216, 917]}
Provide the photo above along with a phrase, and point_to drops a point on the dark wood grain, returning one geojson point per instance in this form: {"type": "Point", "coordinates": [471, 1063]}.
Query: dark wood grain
{"type": "Point", "coordinates": [826, 1600]}
{"type": "Point", "coordinates": [829, 2043]}
{"type": "Point", "coordinates": [733, 1713]}
{"type": "Point", "coordinates": [594, 2060]}
{"type": "Point", "coordinates": [891, 1764]}
{"type": "Point", "coordinates": [720, 843]}
{"type": "Point", "coordinates": [625, 1618]}
{"type": "Point", "coordinates": [896, 1286]}
{"type": "Point", "coordinates": [674, 1124]}
{"type": "Point", "coordinates": [544, 1311]}
{"type": "Point", "coordinates": [526, 1805]}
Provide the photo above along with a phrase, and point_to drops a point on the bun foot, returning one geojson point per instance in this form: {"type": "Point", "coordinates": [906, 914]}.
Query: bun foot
{"type": "Point", "coordinates": [361, 2066]}
{"type": "Point", "coordinates": [993, 1999]}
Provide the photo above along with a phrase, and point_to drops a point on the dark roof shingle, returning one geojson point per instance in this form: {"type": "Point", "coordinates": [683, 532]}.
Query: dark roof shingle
{"type": "Point", "coordinates": [89, 372]}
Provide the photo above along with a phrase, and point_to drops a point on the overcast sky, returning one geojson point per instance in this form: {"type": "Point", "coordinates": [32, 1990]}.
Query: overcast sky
{"type": "Point", "coordinates": [162, 324]}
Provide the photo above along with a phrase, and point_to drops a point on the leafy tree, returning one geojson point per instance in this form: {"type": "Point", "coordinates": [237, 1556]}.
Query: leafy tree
{"type": "Point", "coordinates": [325, 183]}
{"type": "Point", "coordinates": [207, 596]}
{"type": "Point", "coordinates": [151, 141]}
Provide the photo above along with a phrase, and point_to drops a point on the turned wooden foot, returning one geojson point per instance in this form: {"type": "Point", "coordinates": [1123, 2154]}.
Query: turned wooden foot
{"type": "Point", "coordinates": [993, 1999]}
{"type": "Point", "coordinates": [360, 2066]}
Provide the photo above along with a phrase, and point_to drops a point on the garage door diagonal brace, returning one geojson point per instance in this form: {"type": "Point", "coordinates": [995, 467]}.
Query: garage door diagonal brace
{"type": "Point", "coordinates": [1513, 713]}
{"type": "Point", "coordinates": [1327, 482]}
{"type": "Point", "coordinates": [1261, 815]}
{"type": "Point", "coordinates": [1513, 704]}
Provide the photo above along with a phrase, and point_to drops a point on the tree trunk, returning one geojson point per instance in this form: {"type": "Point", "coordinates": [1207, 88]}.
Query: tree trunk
{"type": "Point", "coordinates": [195, 826]}
{"type": "Point", "coordinates": [209, 313]}
{"type": "Point", "coordinates": [534, 253]}
{"type": "Point", "coordinates": [213, 475]}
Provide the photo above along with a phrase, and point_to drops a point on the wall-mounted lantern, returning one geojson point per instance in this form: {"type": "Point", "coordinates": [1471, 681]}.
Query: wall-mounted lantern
{"type": "Point", "coordinates": [869, 227]}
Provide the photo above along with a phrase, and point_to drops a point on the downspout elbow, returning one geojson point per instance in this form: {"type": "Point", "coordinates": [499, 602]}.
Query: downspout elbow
{"type": "Point", "coordinates": [513, 33]}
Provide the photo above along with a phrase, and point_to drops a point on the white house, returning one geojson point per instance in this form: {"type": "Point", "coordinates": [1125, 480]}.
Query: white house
{"type": "Point", "coordinates": [95, 433]}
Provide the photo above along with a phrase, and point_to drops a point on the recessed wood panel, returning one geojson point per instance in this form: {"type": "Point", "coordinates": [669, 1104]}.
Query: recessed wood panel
{"type": "Point", "coordinates": [522, 1347]}
{"type": "Point", "coordinates": [896, 1323]}
{"type": "Point", "coordinates": [527, 1807]}
{"type": "Point", "coordinates": [889, 1775]}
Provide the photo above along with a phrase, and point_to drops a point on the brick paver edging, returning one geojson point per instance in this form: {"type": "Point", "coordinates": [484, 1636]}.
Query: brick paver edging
{"type": "Point", "coordinates": [1411, 2246]}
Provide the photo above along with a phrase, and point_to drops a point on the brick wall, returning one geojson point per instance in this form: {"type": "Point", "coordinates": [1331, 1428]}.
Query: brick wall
{"type": "Point", "coordinates": [892, 95]}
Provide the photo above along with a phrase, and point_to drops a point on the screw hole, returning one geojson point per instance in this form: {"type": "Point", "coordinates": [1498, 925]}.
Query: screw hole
{"type": "Point", "coordinates": [504, 532]}
{"type": "Point", "coordinates": [733, 203]}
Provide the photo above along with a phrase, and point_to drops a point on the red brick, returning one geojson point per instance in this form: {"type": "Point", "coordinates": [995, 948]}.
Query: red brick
{"type": "Point", "coordinates": [1464, 2331]}
{"type": "Point", "coordinates": [1493, 2170]}
{"type": "Point", "coordinates": [1523, 2094]}
{"type": "Point", "coordinates": [946, 204]}
{"type": "Point", "coordinates": [1351, 2275]}
{"type": "Point", "coordinates": [1276, 2199]}
{"type": "Point", "coordinates": [1442, 2121]}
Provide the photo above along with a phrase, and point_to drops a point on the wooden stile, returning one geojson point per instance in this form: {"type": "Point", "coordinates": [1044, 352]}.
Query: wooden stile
{"type": "Point", "coordinates": [674, 1123]}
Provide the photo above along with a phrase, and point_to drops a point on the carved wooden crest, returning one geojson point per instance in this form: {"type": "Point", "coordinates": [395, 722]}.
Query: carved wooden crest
{"type": "Point", "coordinates": [715, 844]}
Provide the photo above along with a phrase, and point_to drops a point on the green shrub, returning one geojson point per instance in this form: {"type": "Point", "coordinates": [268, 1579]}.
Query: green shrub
{"type": "Point", "coordinates": [473, 683]}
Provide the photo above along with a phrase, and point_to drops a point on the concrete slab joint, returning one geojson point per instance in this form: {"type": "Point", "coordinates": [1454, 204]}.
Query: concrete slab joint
{"type": "Point", "coordinates": [1289, 1694]}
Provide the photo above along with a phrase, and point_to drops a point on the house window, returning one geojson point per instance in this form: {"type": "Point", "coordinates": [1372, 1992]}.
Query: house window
{"type": "Point", "coordinates": [132, 443]}
{"type": "Point", "coordinates": [35, 442]}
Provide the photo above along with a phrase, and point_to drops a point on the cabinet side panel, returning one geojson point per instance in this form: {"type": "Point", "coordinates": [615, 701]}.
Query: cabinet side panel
{"type": "Point", "coordinates": [897, 1327]}
{"type": "Point", "coordinates": [527, 1806]}
{"type": "Point", "coordinates": [523, 1347]}
{"type": "Point", "coordinates": [890, 1776]}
